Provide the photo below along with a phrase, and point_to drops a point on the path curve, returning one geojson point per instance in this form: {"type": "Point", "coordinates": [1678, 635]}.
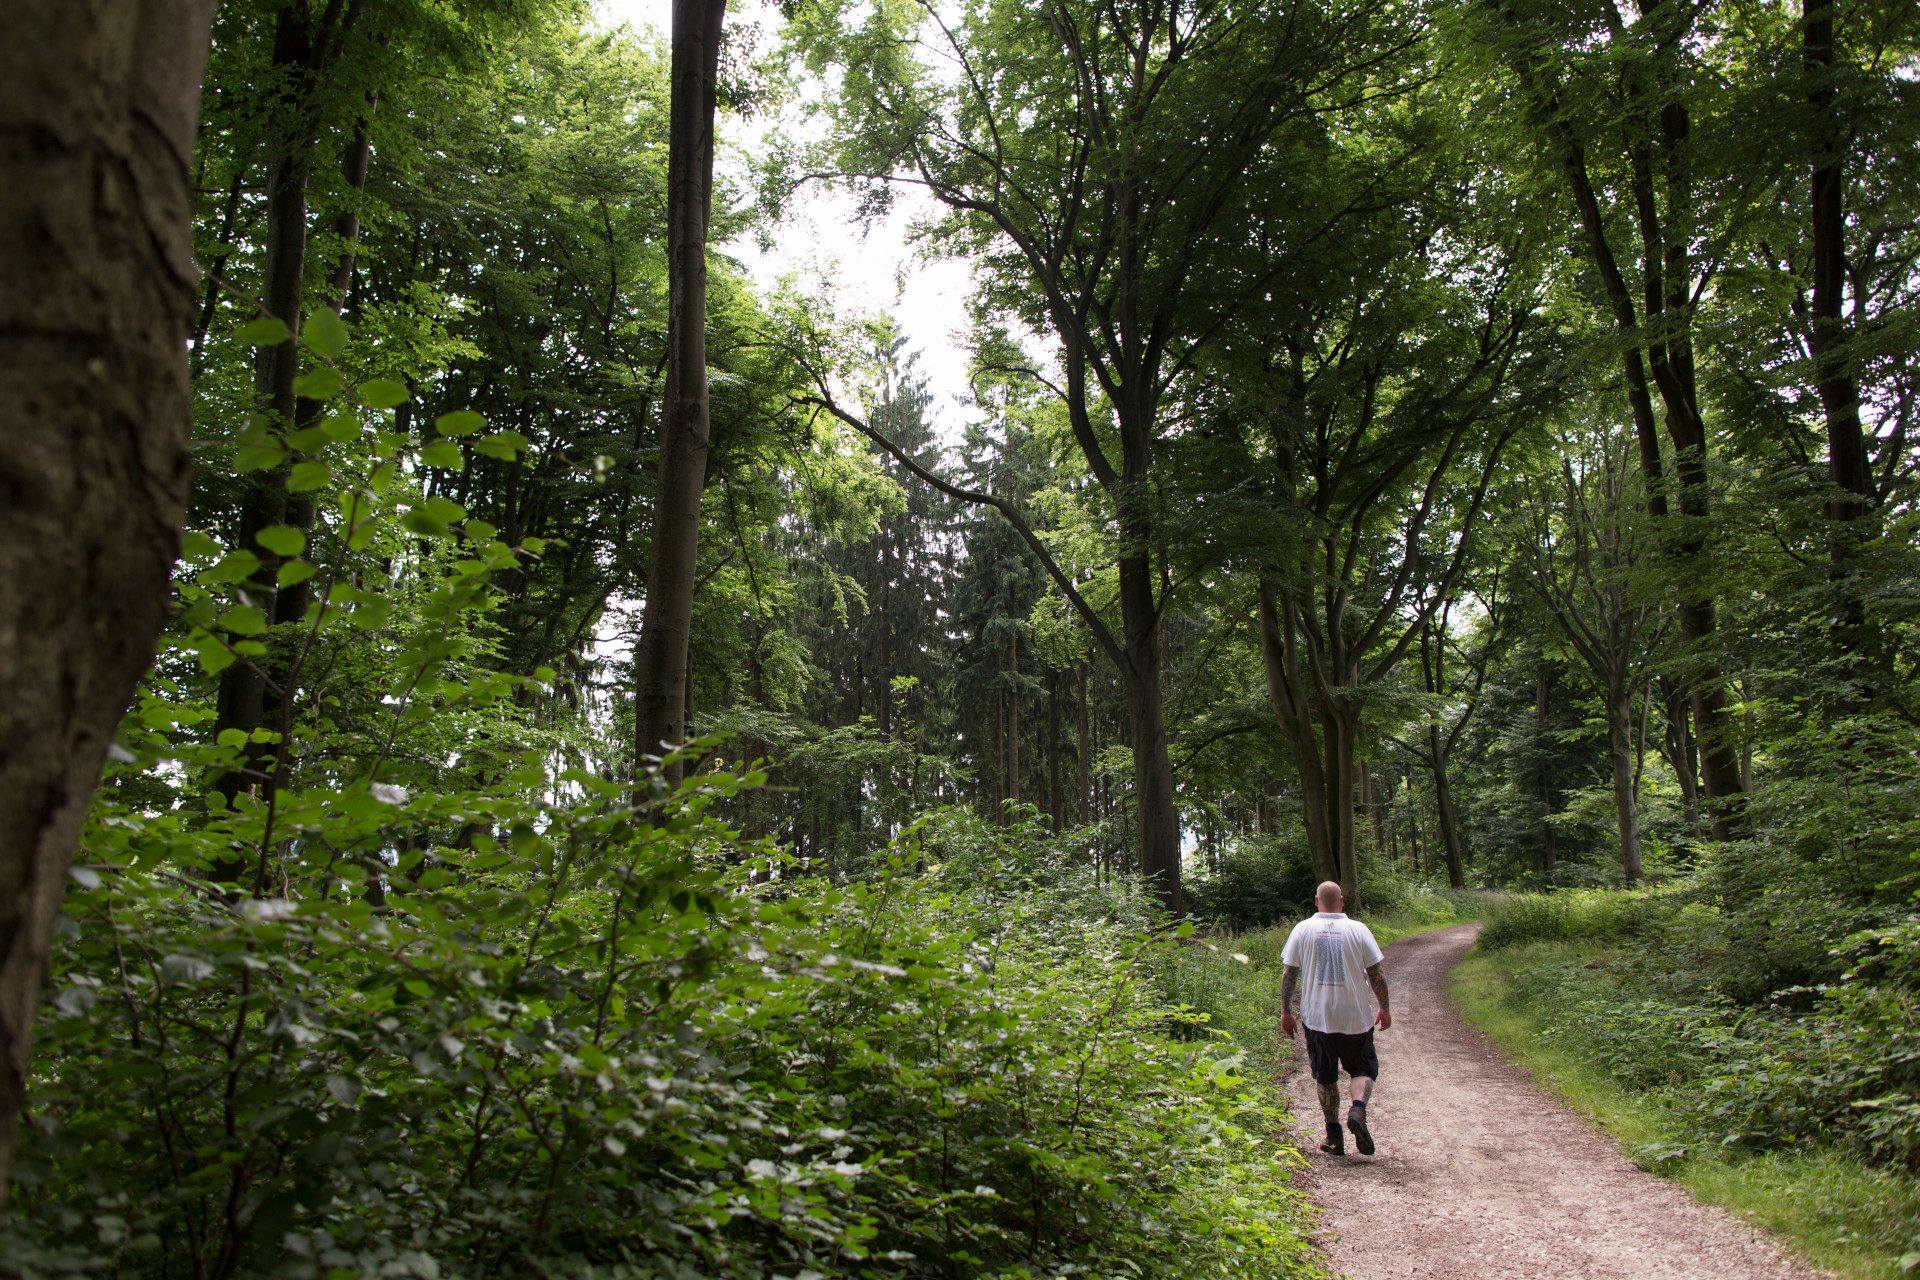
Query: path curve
{"type": "Point", "coordinates": [1481, 1176]}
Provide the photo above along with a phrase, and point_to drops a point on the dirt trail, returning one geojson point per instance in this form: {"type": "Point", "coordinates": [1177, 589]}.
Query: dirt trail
{"type": "Point", "coordinates": [1481, 1176]}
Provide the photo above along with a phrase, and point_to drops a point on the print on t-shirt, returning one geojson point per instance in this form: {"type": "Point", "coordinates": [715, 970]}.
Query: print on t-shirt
{"type": "Point", "coordinates": [1330, 966]}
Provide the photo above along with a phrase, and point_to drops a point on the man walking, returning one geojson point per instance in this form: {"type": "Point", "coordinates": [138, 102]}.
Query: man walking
{"type": "Point", "coordinates": [1325, 959]}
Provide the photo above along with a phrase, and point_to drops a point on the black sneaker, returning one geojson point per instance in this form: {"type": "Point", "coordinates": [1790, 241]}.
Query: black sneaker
{"type": "Point", "coordinates": [1357, 1121]}
{"type": "Point", "coordinates": [1336, 1143]}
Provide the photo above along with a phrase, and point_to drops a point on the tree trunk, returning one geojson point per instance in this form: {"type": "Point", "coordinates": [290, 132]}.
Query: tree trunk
{"type": "Point", "coordinates": [1414, 842]}
{"type": "Point", "coordinates": [245, 686]}
{"type": "Point", "coordinates": [885, 658]}
{"type": "Point", "coordinates": [98, 104]}
{"type": "Point", "coordinates": [1444, 811]}
{"type": "Point", "coordinates": [1542, 688]}
{"type": "Point", "coordinates": [1086, 759]}
{"type": "Point", "coordinates": [1013, 716]}
{"type": "Point", "coordinates": [1338, 732]}
{"type": "Point", "coordinates": [1286, 696]}
{"type": "Point", "coordinates": [1834, 375]}
{"type": "Point", "coordinates": [1056, 800]}
{"type": "Point", "coordinates": [1152, 764]}
{"type": "Point", "coordinates": [667, 621]}
{"type": "Point", "coordinates": [1678, 748]}
{"type": "Point", "coordinates": [1626, 801]}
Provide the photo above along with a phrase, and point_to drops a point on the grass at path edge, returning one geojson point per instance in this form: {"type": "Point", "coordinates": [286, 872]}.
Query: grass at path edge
{"type": "Point", "coordinates": [1812, 1201]}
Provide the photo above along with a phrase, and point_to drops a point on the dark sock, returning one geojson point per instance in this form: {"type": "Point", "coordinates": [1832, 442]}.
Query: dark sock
{"type": "Point", "coordinates": [1359, 1104]}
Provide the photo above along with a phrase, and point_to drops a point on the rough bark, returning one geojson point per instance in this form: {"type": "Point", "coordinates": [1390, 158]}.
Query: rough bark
{"type": "Point", "coordinates": [667, 622]}
{"type": "Point", "coordinates": [98, 103]}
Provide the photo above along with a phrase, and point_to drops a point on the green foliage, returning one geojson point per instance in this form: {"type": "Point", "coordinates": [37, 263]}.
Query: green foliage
{"type": "Point", "coordinates": [1646, 988]}
{"type": "Point", "coordinates": [585, 1043]}
{"type": "Point", "coordinates": [1601, 915]}
{"type": "Point", "coordinates": [1258, 881]}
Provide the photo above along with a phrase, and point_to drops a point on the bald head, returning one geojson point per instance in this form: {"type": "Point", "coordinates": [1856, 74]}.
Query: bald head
{"type": "Point", "coordinates": [1328, 896]}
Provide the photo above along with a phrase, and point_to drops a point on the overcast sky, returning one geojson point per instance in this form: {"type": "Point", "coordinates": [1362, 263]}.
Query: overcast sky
{"type": "Point", "coordinates": [819, 242]}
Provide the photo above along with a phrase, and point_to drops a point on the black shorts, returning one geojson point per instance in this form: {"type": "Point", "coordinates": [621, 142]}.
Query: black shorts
{"type": "Point", "coordinates": [1328, 1051]}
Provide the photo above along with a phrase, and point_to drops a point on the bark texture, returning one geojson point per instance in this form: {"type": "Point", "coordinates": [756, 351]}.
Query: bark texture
{"type": "Point", "coordinates": [98, 104]}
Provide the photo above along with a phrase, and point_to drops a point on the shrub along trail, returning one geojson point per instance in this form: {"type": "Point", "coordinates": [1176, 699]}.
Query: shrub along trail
{"type": "Point", "coordinates": [1479, 1174]}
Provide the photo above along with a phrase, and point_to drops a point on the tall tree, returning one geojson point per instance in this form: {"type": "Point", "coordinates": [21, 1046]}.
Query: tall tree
{"type": "Point", "coordinates": [1065, 151]}
{"type": "Point", "coordinates": [1611, 99]}
{"type": "Point", "coordinates": [660, 675]}
{"type": "Point", "coordinates": [1580, 549]}
{"type": "Point", "coordinates": [98, 105]}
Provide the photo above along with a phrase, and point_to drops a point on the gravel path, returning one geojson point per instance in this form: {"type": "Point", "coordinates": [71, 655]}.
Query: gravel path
{"type": "Point", "coordinates": [1480, 1176]}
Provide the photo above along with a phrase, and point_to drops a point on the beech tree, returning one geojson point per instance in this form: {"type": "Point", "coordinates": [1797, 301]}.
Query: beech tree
{"type": "Point", "coordinates": [98, 105]}
{"type": "Point", "coordinates": [685, 426]}
{"type": "Point", "coordinates": [1101, 159]}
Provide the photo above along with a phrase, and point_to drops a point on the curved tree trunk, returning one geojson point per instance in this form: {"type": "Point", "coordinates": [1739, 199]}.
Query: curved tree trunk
{"type": "Point", "coordinates": [98, 103]}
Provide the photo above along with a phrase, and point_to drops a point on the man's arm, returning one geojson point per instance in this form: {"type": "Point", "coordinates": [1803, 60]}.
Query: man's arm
{"type": "Point", "coordinates": [1289, 980]}
{"type": "Point", "coordinates": [1377, 979]}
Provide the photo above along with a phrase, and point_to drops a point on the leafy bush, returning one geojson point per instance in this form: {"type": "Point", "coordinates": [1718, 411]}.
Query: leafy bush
{"type": "Point", "coordinates": [601, 1041]}
{"type": "Point", "coordinates": [1581, 914]}
{"type": "Point", "coordinates": [1837, 1065]}
{"type": "Point", "coordinates": [1260, 881]}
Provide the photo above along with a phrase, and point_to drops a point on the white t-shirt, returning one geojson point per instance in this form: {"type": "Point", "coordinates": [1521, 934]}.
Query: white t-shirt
{"type": "Point", "coordinates": [1333, 954]}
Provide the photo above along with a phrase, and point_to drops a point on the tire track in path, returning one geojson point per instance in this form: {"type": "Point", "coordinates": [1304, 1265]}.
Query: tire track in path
{"type": "Point", "coordinates": [1480, 1175]}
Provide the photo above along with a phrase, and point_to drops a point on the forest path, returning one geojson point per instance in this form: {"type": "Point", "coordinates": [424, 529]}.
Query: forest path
{"type": "Point", "coordinates": [1481, 1175]}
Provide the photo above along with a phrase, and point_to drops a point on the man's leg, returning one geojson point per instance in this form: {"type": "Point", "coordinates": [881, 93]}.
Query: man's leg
{"type": "Point", "coordinates": [1330, 1108]}
{"type": "Point", "coordinates": [1325, 1065]}
{"type": "Point", "coordinates": [1364, 1068]}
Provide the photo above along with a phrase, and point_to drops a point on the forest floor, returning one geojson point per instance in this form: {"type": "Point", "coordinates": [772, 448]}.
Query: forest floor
{"type": "Point", "coordinates": [1480, 1175]}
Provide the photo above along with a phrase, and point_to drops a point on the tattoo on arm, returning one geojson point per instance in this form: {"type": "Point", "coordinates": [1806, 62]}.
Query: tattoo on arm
{"type": "Point", "coordinates": [1290, 978]}
{"type": "Point", "coordinates": [1377, 979]}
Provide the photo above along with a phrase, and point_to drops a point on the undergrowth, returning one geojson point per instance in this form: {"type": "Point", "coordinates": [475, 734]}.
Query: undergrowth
{"type": "Point", "coordinates": [1801, 1109]}
{"type": "Point", "coordinates": [601, 1047]}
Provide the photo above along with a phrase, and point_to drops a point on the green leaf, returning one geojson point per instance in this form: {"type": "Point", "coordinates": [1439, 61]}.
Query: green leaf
{"type": "Point", "coordinates": [341, 427]}
{"type": "Point", "coordinates": [319, 384]}
{"type": "Point", "coordinates": [444, 454]}
{"type": "Point", "coordinates": [235, 566]}
{"type": "Point", "coordinates": [244, 620]}
{"type": "Point", "coordinates": [326, 333]}
{"type": "Point", "coordinates": [214, 656]}
{"type": "Point", "coordinates": [196, 544]}
{"type": "Point", "coordinates": [308, 476]}
{"type": "Point", "coordinates": [382, 393]}
{"type": "Point", "coordinates": [461, 422]}
{"type": "Point", "coordinates": [263, 456]}
{"type": "Point", "coordinates": [282, 539]}
{"type": "Point", "coordinates": [267, 331]}
{"type": "Point", "coordinates": [481, 531]}
{"type": "Point", "coordinates": [501, 444]}
{"type": "Point", "coordinates": [425, 523]}
{"type": "Point", "coordinates": [296, 571]}
{"type": "Point", "coordinates": [371, 613]}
